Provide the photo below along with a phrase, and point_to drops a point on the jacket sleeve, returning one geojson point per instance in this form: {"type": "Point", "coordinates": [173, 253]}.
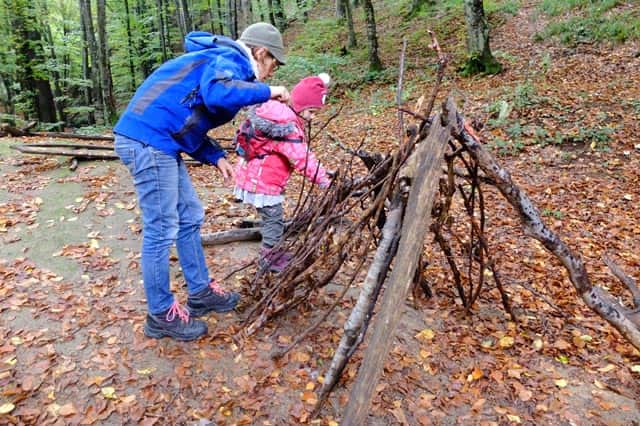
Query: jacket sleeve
{"type": "Point", "coordinates": [300, 156]}
{"type": "Point", "coordinates": [209, 152]}
{"type": "Point", "coordinates": [226, 88]}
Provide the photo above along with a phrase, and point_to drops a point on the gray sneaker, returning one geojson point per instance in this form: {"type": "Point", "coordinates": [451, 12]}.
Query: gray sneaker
{"type": "Point", "coordinates": [214, 298]}
{"type": "Point", "coordinates": [174, 323]}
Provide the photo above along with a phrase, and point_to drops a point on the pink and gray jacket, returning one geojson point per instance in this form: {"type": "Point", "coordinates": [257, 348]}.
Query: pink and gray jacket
{"type": "Point", "coordinates": [270, 173]}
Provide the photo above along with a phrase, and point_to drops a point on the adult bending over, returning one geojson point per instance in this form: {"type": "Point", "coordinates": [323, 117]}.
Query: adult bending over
{"type": "Point", "coordinates": [171, 113]}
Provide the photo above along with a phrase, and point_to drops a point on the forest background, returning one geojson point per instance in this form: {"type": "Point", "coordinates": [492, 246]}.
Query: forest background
{"type": "Point", "coordinates": [561, 113]}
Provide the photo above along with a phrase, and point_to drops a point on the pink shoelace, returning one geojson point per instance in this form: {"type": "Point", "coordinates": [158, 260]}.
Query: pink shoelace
{"type": "Point", "coordinates": [178, 310]}
{"type": "Point", "coordinates": [216, 288]}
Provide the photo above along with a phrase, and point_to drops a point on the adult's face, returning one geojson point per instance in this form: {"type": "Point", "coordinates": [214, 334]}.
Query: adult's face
{"type": "Point", "coordinates": [267, 64]}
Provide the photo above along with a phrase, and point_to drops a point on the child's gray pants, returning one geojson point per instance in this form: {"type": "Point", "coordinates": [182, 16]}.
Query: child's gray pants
{"type": "Point", "coordinates": [272, 224]}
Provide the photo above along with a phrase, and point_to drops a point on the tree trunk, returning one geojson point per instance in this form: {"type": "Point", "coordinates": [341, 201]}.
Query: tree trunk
{"type": "Point", "coordinates": [86, 68]}
{"type": "Point", "coordinates": [416, 224]}
{"type": "Point", "coordinates": [94, 68]}
{"type": "Point", "coordinates": [182, 22]}
{"type": "Point", "coordinates": [232, 18]}
{"type": "Point", "coordinates": [57, 84]}
{"type": "Point", "coordinates": [220, 20]}
{"type": "Point", "coordinates": [278, 13]}
{"type": "Point", "coordinates": [245, 14]}
{"type": "Point", "coordinates": [340, 12]}
{"type": "Point", "coordinates": [352, 42]}
{"type": "Point", "coordinates": [30, 54]}
{"type": "Point", "coordinates": [188, 22]}
{"type": "Point", "coordinates": [272, 16]}
{"type": "Point", "coordinates": [109, 102]}
{"type": "Point", "coordinates": [146, 64]}
{"type": "Point", "coordinates": [302, 7]}
{"type": "Point", "coordinates": [480, 58]}
{"type": "Point", "coordinates": [127, 17]}
{"type": "Point", "coordinates": [372, 37]}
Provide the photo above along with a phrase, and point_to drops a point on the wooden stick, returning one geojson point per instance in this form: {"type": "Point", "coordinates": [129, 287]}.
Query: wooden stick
{"type": "Point", "coordinates": [414, 229]}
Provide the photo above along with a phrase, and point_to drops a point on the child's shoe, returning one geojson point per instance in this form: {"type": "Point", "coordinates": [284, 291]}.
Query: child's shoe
{"type": "Point", "coordinates": [275, 260]}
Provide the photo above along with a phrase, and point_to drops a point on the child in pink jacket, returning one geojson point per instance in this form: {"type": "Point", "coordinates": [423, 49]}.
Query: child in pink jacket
{"type": "Point", "coordinates": [281, 147]}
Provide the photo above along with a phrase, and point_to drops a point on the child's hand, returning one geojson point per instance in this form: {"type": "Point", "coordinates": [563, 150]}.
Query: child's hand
{"type": "Point", "coordinates": [228, 174]}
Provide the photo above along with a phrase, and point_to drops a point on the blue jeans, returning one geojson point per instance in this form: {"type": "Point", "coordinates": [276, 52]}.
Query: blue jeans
{"type": "Point", "coordinates": [171, 213]}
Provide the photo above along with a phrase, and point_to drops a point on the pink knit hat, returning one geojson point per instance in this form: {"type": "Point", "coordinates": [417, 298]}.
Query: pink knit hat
{"type": "Point", "coordinates": [310, 92]}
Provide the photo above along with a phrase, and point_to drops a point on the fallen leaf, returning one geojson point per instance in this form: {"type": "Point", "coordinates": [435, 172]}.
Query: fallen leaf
{"type": "Point", "coordinates": [67, 410]}
{"type": "Point", "coordinates": [607, 368]}
{"type": "Point", "coordinates": [506, 342]}
{"type": "Point", "coordinates": [561, 383]}
{"type": "Point", "coordinates": [6, 408]}
{"type": "Point", "coordinates": [426, 334]}
{"type": "Point", "coordinates": [108, 392]}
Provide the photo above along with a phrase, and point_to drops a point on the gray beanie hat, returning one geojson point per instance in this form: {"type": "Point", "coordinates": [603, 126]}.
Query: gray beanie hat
{"type": "Point", "coordinates": [266, 35]}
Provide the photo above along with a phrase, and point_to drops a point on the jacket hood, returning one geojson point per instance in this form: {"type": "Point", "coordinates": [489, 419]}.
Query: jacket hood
{"type": "Point", "coordinates": [274, 119]}
{"type": "Point", "coordinates": [201, 40]}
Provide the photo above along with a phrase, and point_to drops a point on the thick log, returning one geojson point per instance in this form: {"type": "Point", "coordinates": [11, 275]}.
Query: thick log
{"type": "Point", "coordinates": [224, 237]}
{"type": "Point", "coordinates": [416, 224]}
{"type": "Point", "coordinates": [626, 321]}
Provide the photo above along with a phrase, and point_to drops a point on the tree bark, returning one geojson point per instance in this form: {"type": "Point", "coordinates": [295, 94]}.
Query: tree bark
{"type": "Point", "coordinates": [94, 69]}
{"type": "Point", "coordinates": [278, 14]}
{"type": "Point", "coordinates": [108, 99]}
{"type": "Point", "coordinates": [232, 18]}
{"type": "Point", "coordinates": [86, 68]}
{"type": "Point", "coordinates": [127, 17]}
{"type": "Point", "coordinates": [416, 224]}
{"type": "Point", "coordinates": [340, 11]}
{"type": "Point", "coordinates": [272, 16]}
{"type": "Point", "coordinates": [352, 42]}
{"type": "Point", "coordinates": [372, 37]}
{"type": "Point", "coordinates": [480, 58]}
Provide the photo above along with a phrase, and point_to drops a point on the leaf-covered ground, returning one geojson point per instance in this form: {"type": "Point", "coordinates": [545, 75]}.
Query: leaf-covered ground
{"type": "Point", "coordinates": [72, 306]}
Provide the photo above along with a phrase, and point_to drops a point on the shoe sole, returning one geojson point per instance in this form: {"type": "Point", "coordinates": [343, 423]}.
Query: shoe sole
{"type": "Point", "coordinates": [154, 333]}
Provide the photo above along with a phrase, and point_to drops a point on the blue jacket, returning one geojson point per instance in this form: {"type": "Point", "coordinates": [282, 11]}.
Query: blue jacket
{"type": "Point", "coordinates": [175, 107]}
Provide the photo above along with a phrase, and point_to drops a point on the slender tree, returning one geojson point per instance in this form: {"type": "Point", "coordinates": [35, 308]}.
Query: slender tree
{"type": "Point", "coordinates": [272, 15]}
{"type": "Point", "coordinates": [351, 38]}
{"type": "Point", "coordinates": [92, 45]}
{"type": "Point", "coordinates": [340, 9]}
{"type": "Point", "coordinates": [219, 17]}
{"type": "Point", "coordinates": [86, 68]}
{"type": "Point", "coordinates": [232, 18]}
{"type": "Point", "coordinates": [375, 64]}
{"type": "Point", "coordinates": [278, 13]}
{"type": "Point", "coordinates": [480, 58]}
{"type": "Point", "coordinates": [127, 20]}
{"type": "Point", "coordinates": [54, 68]}
{"type": "Point", "coordinates": [108, 100]}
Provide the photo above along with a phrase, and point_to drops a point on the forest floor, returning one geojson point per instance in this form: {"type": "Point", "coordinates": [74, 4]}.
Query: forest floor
{"type": "Point", "coordinates": [72, 306]}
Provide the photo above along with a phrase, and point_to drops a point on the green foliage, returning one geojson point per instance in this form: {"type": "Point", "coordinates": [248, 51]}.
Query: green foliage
{"type": "Point", "coordinates": [557, 214]}
{"type": "Point", "coordinates": [508, 7]}
{"type": "Point", "coordinates": [524, 95]}
{"type": "Point", "coordinates": [479, 65]}
{"type": "Point", "coordinates": [595, 21]}
{"type": "Point", "coordinates": [506, 147]}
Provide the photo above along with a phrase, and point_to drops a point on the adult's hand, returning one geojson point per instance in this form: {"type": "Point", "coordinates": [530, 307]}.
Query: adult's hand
{"type": "Point", "coordinates": [227, 171]}
{"type": "Point", "coordinates": [280, 93]}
